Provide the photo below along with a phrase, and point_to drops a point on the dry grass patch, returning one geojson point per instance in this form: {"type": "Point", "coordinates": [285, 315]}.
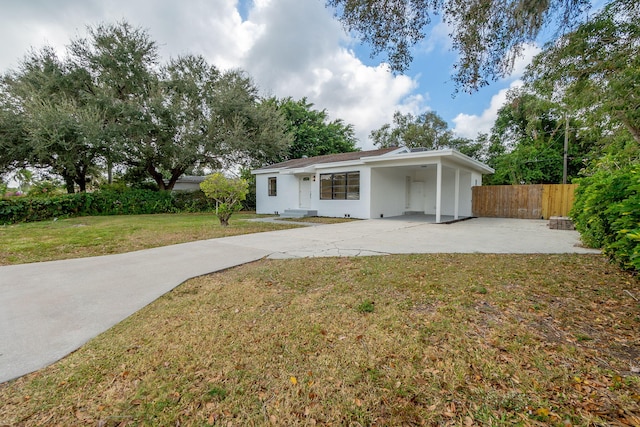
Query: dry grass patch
{"type": "Point", "coordinates": [431, 340]}
{"type": "Point", "coordinates": [92, 236]}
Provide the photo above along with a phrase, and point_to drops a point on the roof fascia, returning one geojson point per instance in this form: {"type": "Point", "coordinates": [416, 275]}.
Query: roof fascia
{"type": "Point", "coordinates": [433, 155]}
{"type": "Point", "coordinates": [264, 171]}
{"type": "Point", "coordinates": [476, 164]}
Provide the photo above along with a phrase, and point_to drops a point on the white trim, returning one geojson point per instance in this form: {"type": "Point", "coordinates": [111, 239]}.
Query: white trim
{"type": "Point", "coordinates": [419, 156]}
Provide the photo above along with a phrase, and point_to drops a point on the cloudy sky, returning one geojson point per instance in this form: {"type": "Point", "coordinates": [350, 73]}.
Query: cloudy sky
{"type": "Point", "coordinates": [290, 48]}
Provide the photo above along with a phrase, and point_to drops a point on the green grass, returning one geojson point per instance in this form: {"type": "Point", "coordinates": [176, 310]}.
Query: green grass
{"type": "Point", "coordinates": [91, 236]}
{"type": "Point", "coordinates": [454, 340]}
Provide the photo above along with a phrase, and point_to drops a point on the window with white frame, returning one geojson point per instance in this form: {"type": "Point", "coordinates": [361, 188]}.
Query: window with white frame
{"type": "Point", "coordinates": [273, 186]}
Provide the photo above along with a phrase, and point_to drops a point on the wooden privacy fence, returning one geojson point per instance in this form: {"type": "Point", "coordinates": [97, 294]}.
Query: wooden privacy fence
{"type": "Point", "coordinates": [539, 201]}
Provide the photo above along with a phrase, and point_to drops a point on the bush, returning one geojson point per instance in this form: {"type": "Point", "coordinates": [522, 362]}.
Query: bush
{"type": "Point", "coordinates": [228, 194]}
{"type": "Point", "coordinates": [111, 201]}
{"type": "Point", "coordinates": [606, 212]}
{"type": "Point", "coordinates": [193, 201]}
{"type": "Point", "coordinates": [45, 189]}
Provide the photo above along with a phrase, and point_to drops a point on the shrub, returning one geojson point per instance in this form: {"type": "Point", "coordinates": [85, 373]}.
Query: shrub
{"type": "Point", "coordinates": [129, 202]}
{"type": "Point", "coordinates": [249, 203]}
{"type": "Point", "coordinates": [111, 201]}
{"type": "Point", "coordinates": [228, 194]}
{"type": "Point", "coordinates": [193, 201]}
{"type": "Point", "coordinates": [606, 212]}
{"type": "Point", "coordinates": [45, 189]}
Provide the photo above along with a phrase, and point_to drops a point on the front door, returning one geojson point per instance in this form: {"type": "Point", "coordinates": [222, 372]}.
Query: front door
{"type": "Point", "coordinates": [305, 192]}
{"type": "Point", "coordinates": [416, 196]}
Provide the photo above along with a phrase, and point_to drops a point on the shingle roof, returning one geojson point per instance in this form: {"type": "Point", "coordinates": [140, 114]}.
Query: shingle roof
{"type": "Point", "coordinates": [329, 158]}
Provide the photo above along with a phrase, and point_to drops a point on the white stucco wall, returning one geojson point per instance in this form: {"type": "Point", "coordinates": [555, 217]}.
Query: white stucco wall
{"type": "Point", "coordinates": [389, 188]}
{"type": "Point", "coordinates": [429, 177]}
{"type": "Point", "coordinates": [448, 191]}
{"type": "Point", "coordinates": [465, 194]}
{"type": "Point", "coordinates": [286, 197]}
{"type": "Point", "coordinates": [340, 208]}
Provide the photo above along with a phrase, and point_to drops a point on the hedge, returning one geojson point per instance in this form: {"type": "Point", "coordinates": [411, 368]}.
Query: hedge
{"type": "Point", "coordinates": [109, 202]}
{"type": "Point", "coordinates": [606, 212]}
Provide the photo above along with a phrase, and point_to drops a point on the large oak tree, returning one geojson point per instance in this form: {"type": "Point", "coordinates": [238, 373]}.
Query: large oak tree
{"type": "Point", "coordinates": [56, 127]}
{"type": "Point", "coordinates": [110, 103]}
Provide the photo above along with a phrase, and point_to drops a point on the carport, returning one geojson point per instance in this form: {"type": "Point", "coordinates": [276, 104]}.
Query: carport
{"type": "Point", "coordinates": [435, 184]}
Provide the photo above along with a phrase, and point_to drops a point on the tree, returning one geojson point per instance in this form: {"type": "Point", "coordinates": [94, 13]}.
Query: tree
{"type": "Point", "coordinates": [110, 104]}
{"type": "Point", "coordinates": [594, 71]}
{"type": "Point", "coordinates": [228, 194]}
{"type": "Point", "coordinates": [527, 142]}
{"type": "Point", "coordinates": [24, 177]}
{"type": "Point", "coordinates": [13, 151]}
{"type": "Point", "coordinates": [312, 132]}
{"type": "Point", "coordinates": [181, 116]}
{"type": "Point", "coordinates": [487, 34]}
{"type": "Point", "coordinates": [428, 130]}
{"type": "Point", "coordinates": [249, 131]}
{"type": "Point", "coordinates": [122, 64]}
{"type": "Point", "coordinates": [473, 148]}
{"type": "Point", "coordinates": [60, 130]}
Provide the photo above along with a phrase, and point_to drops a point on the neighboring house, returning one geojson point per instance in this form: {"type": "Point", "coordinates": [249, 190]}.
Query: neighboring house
{"type": "Point", "coordinates": [371, 184]}
{"type": "Point", "coordinates": [188, 183]}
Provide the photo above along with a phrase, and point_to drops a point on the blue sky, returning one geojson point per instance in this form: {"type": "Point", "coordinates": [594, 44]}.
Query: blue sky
{"type": "Point", "coordinates": [290, 47]}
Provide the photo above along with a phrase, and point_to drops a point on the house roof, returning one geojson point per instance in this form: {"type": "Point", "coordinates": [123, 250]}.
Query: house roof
{"type": "Point", "coordinates": [329, 158]}
{"type": "Point", "coordinates": [191, 178]}
{"type": "Point", "coordinates": [385, 157]}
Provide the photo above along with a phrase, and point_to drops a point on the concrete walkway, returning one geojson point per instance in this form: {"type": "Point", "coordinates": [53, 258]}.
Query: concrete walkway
{"type": "Point", "coordinates": [50, 309]}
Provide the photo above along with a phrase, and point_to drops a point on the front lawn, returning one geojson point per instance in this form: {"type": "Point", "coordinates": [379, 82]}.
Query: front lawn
{"type": "Point", "coordinates": [435, 340]}
{"type": "Point", "coordinates": [102, 235]}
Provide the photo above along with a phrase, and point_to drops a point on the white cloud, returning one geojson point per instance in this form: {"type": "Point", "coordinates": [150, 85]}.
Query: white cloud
{"type": "Point", "coordinates": [469, 125]}
{"type": "Point", "coordinates": [299, 53]}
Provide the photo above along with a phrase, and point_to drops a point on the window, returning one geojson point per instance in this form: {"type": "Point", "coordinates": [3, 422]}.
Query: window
{"type": "Point", "coordinates": [340, 186]}
{"type": "Point", "coordinates": [273, 186]}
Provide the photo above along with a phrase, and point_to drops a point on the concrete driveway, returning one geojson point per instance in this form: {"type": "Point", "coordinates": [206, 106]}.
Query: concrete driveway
{"type": "Point", "coordinates": [50, 309]}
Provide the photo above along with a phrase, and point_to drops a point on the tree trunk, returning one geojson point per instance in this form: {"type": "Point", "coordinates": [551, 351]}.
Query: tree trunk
{"type": "Point", "coordinates": [82, 184]}
{"type": "Point", "coordinates": [81, 179]}
{"type": "Point", "coordinates": [69, 184]}
{"type": "Point", "coordinates": [175, 174]}
{"type": "Point", "coordinates": [633, 130]}
{"type": "Point", "coordinates": [157, 176]}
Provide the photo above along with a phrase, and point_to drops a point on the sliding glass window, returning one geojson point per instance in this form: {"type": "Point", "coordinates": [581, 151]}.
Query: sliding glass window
{"type": "Point", "coordinates": [340, 186]}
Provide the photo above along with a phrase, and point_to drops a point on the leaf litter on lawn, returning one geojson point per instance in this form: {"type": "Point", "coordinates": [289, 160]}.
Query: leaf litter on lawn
{"type": "Point", "coordinates": [454, 340]}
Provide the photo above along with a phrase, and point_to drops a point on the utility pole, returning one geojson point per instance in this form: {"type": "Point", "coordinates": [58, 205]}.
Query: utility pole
{"type": "Point", "coordinates": [566, 148]}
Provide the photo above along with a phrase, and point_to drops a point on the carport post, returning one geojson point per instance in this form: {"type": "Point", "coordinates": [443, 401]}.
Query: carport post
{"type": "Point", "coordinates": [438, 190]}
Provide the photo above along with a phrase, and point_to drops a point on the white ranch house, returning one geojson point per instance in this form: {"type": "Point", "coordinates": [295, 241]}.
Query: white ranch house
{"type": "Point", "coordinates": [371, 184]}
